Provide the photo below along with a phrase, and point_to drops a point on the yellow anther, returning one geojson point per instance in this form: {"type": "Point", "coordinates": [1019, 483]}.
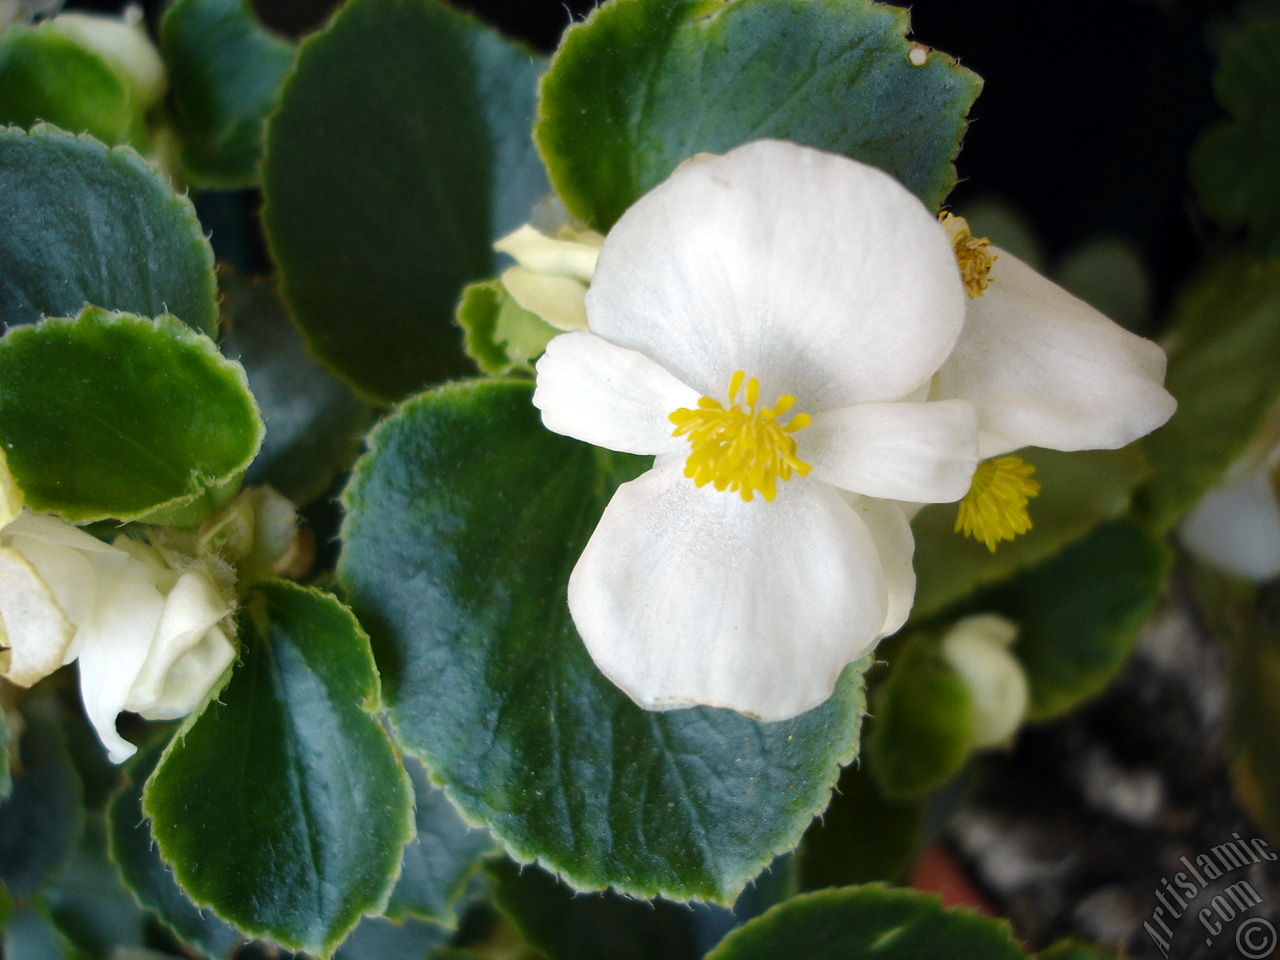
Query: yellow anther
{"type": "Point", "coordinates": [995, 508]}
{"type": "Point", "coordinates": [741, 450]}
{"type": "Point", "coordinates": [973, 254]}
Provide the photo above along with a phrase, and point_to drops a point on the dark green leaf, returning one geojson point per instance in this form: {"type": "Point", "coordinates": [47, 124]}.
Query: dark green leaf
{"type": "Point", "coordinates": [283, 805]}
{"type": "Point", "coordinates": [89, 906]}
{"type": "Point", "coordinates": [426, 161]}
{"type": "Point", "coordinates": [151, 879]}
{"type": "Point", "coordinates": [30, 934]}
{"type": "Point", "coordinates": [870, 921]}
{"type": "Point", "coordinates": [1079, 613]}
{"type": "Point", "coordinates": [42, 821]}
{"type": "Point", "coordinates": [1224, 371]}
{"type": "Point", "coordinates": [1075, 950]}
{"type": "Point", "coordinates": [642, 85]}
{"type": "Point", "coordinates": [225, 72]}
{"type": "Point", "coordinates": [1077, 491]}
{"type": "Point", "coordinates": [1234, 164]}
{"type": "Point", "coordinates": [314, 422]}
{"type": "Point", "coordinates": [85, 224]}
{"type": "Point", "coordinates": [115, 416]}
{"type": "Point", "coordinates": [463, 524]}
{"type": "Point", "coordinates": [924, 721]}
{"type": "Point", "coordinates": [379, 939]}
{"type": "Point", "coordinates": [6, 778]}
{"type": "Point", "coordinates": [501, 336]}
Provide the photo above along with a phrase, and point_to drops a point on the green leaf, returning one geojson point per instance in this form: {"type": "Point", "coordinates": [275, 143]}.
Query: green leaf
{"type": "Point", "coordinates": [440, 860]}
{"type": "Point", "coordinates": [6, 776]}
{"type": "Point", "coordinates": [1074, 950]}
{"type": "Point", "coordinates": [426, 161]}
{"type": "Point", "coordinates": [225, 72]}
{"type": "Point", "coordinates": [863, 836]}
{"type": "Point", "coordinates": [501, 336]}
{"type": "Point", "coordinates": [30, 934]}
{"type": "Point", "coordinates": [924, 722]}
{"type": "Point", "coordinates": [463, 523]}
{"type": "Point", "coordinates": [283, 805]}
{"type": "Point", "coordinates": [1077, 491]}
{"type": "Point", "coordinates": [379, 939]}
{"type": "Point", "coordinates": [89, 906]}
{"type": "Point", "coordinates": [150, 879]}
{"type": "Point", "coordinates": [1108, 274]}
{"type": "Point", "coordinates": [1234, 165]}
{"type": "Point", "coordinates": [85, 224]}
{"type": "Point", "coordinates": [43, 819]}
{"type": "Point", "coordinates": [563, 925]}
{"type": "Point", "coordinates": [313, 421]}
{"type": "Point", "coordinates": [870, 921]}
{"type": "Point", "coordinates": [1224, 371]}
{"type": "Point", "coordinates": [642, 85]}
{"type": "Point", "coordinates": [114, 416]}
{"type": "Point", "coordinates": [45, 75]}
{"type": "Point", "coordinates": [1079, 613]}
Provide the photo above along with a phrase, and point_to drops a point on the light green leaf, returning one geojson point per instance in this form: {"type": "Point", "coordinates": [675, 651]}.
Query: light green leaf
{"type": "Point", "coordinates": [1224, 371]}
{"type": "Point", "coordinates": [1077, 491]}
{"type": "Point", "coordinates": [115, 416]}
{"type": "Point", "coordinates": [426, 161]}
{"type": "Point", "coordinates": [642, 85]}
{"type": "Point", "coordinates": [85, 224]}
{"type": "Point", "coordinates": [225, 72]}
{"type": "Point", "coordinates": [924, 726]}
{"type": "Point", "coordinates": [463, 523]}
{"type": "Point", "coordinates": [150, 879]}
{"type": "Point", "coordinates": [313, 421]}
{"type": "Point", "coordinates": [870, 921]}
{"type": "Point", "coordinates": [317, 840]}
{"type": "Point", "coordinates": [501, 336]}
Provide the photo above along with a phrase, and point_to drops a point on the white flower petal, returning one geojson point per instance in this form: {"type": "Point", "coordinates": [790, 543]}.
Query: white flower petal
{"type": "Point", "coordinates": [686, 595]}
{"type": "Point", "coordinates": [191, 609]}
{"type": "Point", "coordinates": [1045, 369]}
{"type": "Point", "coordinates": [923, 452]}
{"type": "Point", "coordinates": [1237, 528]}
{"type": "Point", "coordinates": [591, 390]}
{"type": "Point", "coordinates": [891, 531]}
{"type": "Point", "coordinates": [557, 301]}
{"type": "Point", "coordinates": [192, 676]}
{"type": "Point", "coordinates": [32, 625]}
{"type": "Point", "coordinates": [820, 276]}
{"type": "Point", "coordinates": [542, 254]}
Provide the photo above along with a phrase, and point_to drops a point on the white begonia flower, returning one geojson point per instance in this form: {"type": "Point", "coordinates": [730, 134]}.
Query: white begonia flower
{"type": "Point", "coordinates": [1043, 369]}
{"type": "Point", "coordinates": [1236, 525]}
{"type": "Point", "coordinates": [774, 271]}
{"type": "Point", "coordinates": [977, 648]}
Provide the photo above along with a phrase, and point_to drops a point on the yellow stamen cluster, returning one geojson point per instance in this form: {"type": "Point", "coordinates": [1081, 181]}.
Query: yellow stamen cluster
{"type": "Point", "coordinates": [995, 508]}
{"type": "Point", "coordinates": [973, 254]}
{"type": "Point", "coordinates": [742, 450]}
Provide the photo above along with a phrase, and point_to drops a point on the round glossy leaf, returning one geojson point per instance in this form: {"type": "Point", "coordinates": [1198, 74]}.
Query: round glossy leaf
{"type": "Point", "coordinates": [88, 224]}
{"type": "Point", "coordinates": [317, 840]}
{"type": "Point", "coordinates": [642, 85]}
{"type": "Point", "coordinates": [463, 524]}
{"type": "Point", "coordinates": [115, 416]}
{"type": "Point", "coordinates": [872, 921]}
{"type": "Point", "coordinates": [386, 187]}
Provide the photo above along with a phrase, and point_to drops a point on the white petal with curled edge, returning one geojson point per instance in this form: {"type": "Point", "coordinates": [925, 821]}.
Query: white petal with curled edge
{"type": "Point", "coordinates": [192, 676]}
{"type": "Point", "coordinates": [609, 396]}
{"type": "Point", "coordinates": [191, 609]}
{"type": "Point", "coordinates": [539, 253]}
{"type": "Point", "coordinates": [1236, 527]}
{"type": "Point", "coordinates": [558, 301]}
{"type": "Point", "coordinates": [1047, 370]}
{"type": "Point", "coordinates": [688, 596]}
{"type": "Point", "coordinates": [820, 276]}
{"type": "Point", "coordinates": [891, 531]}
{"type": "Point", "coordinates": [923, 452]}
{"type": "Point", "coordinates": [32, 625]}
{"type": "Point", "coordinates": [114, 645]}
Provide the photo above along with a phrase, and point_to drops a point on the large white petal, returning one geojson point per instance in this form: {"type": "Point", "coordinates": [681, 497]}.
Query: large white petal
{"type": "Point", "coordinates": [691, 596]}
{"type": "Point", "coordinates": [33, 629]}
{"type": "Point", "coordinates": [1045, 369]}
{"type": "Point", "coordinates": [822, 277]}
{"type": "Point", "coordinates": [1236, 527]}
{"type": "Point", "coordinates": [923, 452]}
{"type": "Point", "coordinates": [891, 531]}
{"type": "Point", "coordinates": [612, 397]}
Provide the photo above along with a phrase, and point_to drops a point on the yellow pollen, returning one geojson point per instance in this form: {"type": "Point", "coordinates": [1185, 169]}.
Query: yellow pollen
{"type": "Point", "coordinates": [743, 450]}
{"type": "Point", "coordinates": [995, 508]}
{"type": "Point", "coordinates": [973, 254]}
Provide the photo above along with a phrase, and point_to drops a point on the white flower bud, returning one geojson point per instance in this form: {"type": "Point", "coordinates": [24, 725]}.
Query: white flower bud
{"type": "Point", "coordinates": [977, 648]}
{"type": "Point", "coordinates": [123, 42]}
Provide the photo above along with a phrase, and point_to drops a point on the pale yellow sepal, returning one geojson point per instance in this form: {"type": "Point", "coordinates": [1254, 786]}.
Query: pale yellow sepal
{"type": "Point", "coordinates": [977, 648]}
{"type": "Point", "coordinates": [557, 301]}
{"type": "Point", "coordinates": [11, 497]}
{"type": "Point", "coordinates": [573, 256]}
{"type": "Point", "coordinates": [33, 628]}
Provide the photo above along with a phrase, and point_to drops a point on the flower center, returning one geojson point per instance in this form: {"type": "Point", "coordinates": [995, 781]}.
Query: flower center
{"type": "Point", "coordinates": [995, 508]}
{"type": "Point", "coordinates": [741, 449]}
{"type": "Point", "coordinates": [973, 254]}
